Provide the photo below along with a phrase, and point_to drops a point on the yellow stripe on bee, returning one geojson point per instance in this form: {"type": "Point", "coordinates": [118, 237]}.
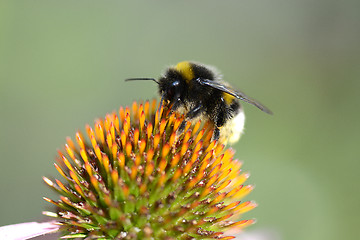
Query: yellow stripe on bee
{"type": "Point", "coordinates": [186, 70]}
{"type": "Point", "coordinates": [228, 98]}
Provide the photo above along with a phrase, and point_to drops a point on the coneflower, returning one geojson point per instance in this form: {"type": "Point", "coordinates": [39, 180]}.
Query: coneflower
{"type": "Point", "coordinates": [135, 175]}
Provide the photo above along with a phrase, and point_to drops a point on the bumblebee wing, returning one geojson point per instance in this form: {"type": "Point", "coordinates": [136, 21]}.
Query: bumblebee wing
{"type": "Point", "coordinates": [235, 93]}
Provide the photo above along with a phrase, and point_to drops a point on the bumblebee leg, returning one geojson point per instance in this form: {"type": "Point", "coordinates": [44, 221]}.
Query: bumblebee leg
{"type": "Point", "coordinates": [219, 122]}
{"type": "Point", "coordinates": [161, 105]}
{"type": "Point", "coordinates": [176, 104]}
{"type": "Point", "coordinates": [191, 114]}
{"type": "Point", "coordinates": [216, 134]}
{"type": "Point", "coordinates": [182, 126]}
{"type": "Point", "coordinates": [194, 112]}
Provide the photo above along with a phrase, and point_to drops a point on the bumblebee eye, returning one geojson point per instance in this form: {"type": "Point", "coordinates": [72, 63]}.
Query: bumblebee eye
{"type": "Point", "coordinates": [172, 89]}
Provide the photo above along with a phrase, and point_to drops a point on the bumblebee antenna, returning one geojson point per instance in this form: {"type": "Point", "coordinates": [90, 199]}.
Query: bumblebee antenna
{"type": "Point", "coordinates": [141, 79]}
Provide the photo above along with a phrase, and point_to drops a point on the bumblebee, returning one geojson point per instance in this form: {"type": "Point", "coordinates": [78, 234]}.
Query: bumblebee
{"type": "Point", "coordinates": [198, 91]}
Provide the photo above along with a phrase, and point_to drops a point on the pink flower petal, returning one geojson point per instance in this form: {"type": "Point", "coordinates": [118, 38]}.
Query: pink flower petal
{"type": "Point", "coordinates": [28, 230]}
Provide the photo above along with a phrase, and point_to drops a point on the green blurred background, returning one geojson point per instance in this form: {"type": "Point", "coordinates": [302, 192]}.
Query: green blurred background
{"type": "Point", "coordinates": [62, 64]}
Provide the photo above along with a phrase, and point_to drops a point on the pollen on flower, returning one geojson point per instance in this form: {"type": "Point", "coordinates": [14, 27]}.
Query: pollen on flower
{"type": "Point", "coordinates": [136, 175]}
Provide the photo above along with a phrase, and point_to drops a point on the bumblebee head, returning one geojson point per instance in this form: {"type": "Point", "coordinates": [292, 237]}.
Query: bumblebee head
{"type": "Point", "coordinates": [172, 86]}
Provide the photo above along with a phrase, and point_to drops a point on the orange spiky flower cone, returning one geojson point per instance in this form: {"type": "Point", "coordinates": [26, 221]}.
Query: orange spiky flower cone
{"type": "Point", "coordinates": [136, 177]}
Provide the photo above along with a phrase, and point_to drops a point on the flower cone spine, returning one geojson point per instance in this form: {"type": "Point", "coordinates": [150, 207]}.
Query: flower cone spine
{"type": "Point", "coordinates": [137, 176]}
